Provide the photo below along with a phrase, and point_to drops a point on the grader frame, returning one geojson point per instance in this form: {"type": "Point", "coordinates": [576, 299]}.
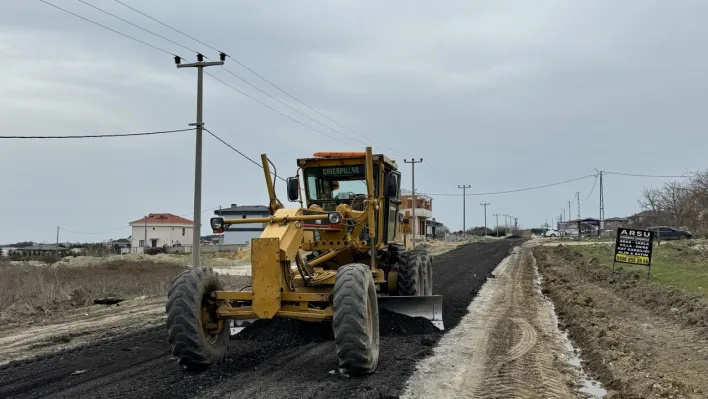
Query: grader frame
{"type": "Point", "coordinates": [351, 256]}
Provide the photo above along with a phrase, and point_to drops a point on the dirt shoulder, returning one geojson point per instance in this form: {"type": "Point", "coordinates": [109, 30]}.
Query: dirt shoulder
{"type": "Point", "coordinates": [508, 344]}
{"type": "Point", "coordinates": [639, 338]}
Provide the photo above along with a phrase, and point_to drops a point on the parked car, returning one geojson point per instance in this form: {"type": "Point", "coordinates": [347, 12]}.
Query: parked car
{"type": "Point", "coordinates": [670, 233]}
{"type": "Point", "coordinates": [551, 233]}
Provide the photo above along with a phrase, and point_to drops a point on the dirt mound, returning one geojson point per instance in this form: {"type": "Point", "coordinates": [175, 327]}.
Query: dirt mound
{"type": "Point", "coordinates": [640, 338]}
{"type": "Point", "coordinates": [395, 324]}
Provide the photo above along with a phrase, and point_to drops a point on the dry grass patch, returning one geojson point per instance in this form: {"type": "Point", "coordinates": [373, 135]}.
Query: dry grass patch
{"type": "Point", "coordinates": [27, 290]}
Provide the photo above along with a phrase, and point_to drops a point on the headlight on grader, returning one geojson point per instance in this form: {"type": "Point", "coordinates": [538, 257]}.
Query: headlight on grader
{"type": "Point", "coordinates": [217, 224]}
{"type": "Point", "coordinates": [335, 218]}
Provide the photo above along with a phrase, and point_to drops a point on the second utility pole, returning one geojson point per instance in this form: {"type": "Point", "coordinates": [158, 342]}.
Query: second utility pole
{"type": "Point", "coordinates": [196, 232]}
{"type": "Point", "coordinates": [497, 228]}
{"type": "Point", "coordinates": [464, 208]}
{"type": "Point", "coordinates": [484, 204]}
{"type": "Point", "coordinates": [414, 204]}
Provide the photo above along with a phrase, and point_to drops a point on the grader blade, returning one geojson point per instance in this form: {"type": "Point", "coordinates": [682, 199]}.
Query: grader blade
{"type": "Point", "coordinates": [429, 307]}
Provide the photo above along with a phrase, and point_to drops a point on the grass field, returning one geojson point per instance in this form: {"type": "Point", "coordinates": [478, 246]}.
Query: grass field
{"type": "Point", "coordinates": [680, 264]}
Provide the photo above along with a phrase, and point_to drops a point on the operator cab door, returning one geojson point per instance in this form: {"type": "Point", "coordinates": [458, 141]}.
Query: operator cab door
{"type": "Point", "coordinates": [392, 205]}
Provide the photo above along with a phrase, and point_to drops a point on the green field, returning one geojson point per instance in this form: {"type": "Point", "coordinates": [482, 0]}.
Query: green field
{"type": "Point", "coordinates": [680, 264]}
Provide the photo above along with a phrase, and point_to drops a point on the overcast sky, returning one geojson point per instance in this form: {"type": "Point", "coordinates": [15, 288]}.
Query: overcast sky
{"type": "Point", "coordinates": [498, 95]}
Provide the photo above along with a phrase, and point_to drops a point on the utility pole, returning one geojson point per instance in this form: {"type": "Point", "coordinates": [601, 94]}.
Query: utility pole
{"type": "Point", "coordinates": [569, 215]}
{"type": "Point", "coordinates": [415, 204]}
{"type": "Point", "coordinates": [578, 194]}
{"type": "Point", "coordinates": [516, 225]}
{"type": "Point", "coordinates": [497, 227]}
{"type": "Point", "coordinates": [200, 64]}
{"type": "Point", "coordinates": [484, 204]}
{"type": "Point", "coordinates": [602, 205]}
{"type": "Point", "coordinates": [145, 243]}
{"type": "Point", "coordinates": [57, 248]}
{"type": "Point", "coordinates": [464, 208]}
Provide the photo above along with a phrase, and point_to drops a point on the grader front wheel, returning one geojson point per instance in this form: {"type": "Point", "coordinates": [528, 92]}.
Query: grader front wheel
{"type": "Point", "coordinates": [198, 338]}
{"type": "Point", "coordinates": [356, 319]}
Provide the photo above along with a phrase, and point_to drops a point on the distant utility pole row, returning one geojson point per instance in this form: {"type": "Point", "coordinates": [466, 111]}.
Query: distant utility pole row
{"type": "Point", "coordinates": [484, 204]}
{"type": "Point", "coordinates": [600, 174]}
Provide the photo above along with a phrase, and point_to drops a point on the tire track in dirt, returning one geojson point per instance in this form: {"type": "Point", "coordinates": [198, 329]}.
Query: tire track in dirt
{"type": "Point", "coordinates": [506, 347]}
{"type": "Point", "coordinates": [283, 358]}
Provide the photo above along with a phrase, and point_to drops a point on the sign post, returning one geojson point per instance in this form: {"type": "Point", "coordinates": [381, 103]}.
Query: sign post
{"type": "Point", "coordinates": [633, 247]}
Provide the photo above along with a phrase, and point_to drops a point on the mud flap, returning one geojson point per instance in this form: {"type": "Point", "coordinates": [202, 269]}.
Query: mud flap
{"type": "Point", "coordinates": [427, 306]}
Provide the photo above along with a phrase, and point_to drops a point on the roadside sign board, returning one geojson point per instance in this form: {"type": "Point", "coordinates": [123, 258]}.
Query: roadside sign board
{"type": "Point", "coordinates": [634, 246]}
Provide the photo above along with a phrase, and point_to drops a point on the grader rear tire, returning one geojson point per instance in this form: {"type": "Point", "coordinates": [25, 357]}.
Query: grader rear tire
{"type": "Point", "coordinates": [411, 280]}
{"type": "Point", "coordinates": [356, 319]}
{"type": "Point", "coordinates": [188, 301]}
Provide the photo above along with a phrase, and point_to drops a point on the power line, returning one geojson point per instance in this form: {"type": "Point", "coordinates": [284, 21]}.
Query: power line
{"type": "Point", "coordinates": [220, 80]}
{"type": "Point", "coordinates": [226, 69]}
{"type": "Point", "coordinates": [168, 26]}
{"type": "Point", "coordinates": [239, 152]}
{"type": "Point", "coordinates": [275, 110]}
{"type": "Point", "coordinates": [435, 175]}
{"type": "Point", "coordinates": [91, 136]}
{"type": "Point", "coordinates": [639, 175]}
{"type": "Point", "coordinates": [593, 187]}
{"type": "Point", "coordinates": [289, 106]}
{"type": "Point", "coordinates": [110, 29]}
{"type": "Point", "coordinates": [518, 190]}
{"type": "Point", "coordinates": [259, 76]}
{"type": "Point", "coordinates": [137, 26]}
{"type": "Point", "coordinates": [124, 227]}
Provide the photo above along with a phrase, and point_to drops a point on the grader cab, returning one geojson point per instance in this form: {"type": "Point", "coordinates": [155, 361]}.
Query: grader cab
{"type": "Point", "coordinates": [337, 258]}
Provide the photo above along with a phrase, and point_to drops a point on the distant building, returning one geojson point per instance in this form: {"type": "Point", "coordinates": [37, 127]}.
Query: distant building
{"type": "Point", "coordinates": [615, 223]}
{"type": "Point", "coordinates": [423, 212]}
{"type": "Point", "coordinates": [243, 233]}
{"type": "Point", "coordinates": [159, 229]}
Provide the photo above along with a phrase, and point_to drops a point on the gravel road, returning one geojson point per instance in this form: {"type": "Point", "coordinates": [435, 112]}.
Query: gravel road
{"type": "Point", "coordinates": [280, 358]}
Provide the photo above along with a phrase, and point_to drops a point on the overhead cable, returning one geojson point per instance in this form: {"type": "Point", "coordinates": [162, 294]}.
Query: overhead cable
{"type": "Point", "coordinates": [94, 136]}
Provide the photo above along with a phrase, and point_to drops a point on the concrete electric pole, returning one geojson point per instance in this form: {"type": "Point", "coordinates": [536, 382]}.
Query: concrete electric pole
{"type": "Point", "coordinates": [484, 204]}
{"type": "Point", "coordinates": [497, 227]}
{"type": "Point", "coordinates": [200, 64]}
{"type": "Point", "coordinates": [602, 205]}
{"type": "Point", "coordinates": [414, 202]}
{"type": "Point", "coordinates": [464, 209]}
{"type": "Point", "coordinates": [578, 194]}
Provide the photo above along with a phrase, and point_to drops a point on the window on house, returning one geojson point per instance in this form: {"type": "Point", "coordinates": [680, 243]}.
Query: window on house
{"type": "Point", "coordinates": [244, 216]}
{"type": "Point", "coordinates": [141, 243]}
{"type": "Point", "coordinates": [183, 231]}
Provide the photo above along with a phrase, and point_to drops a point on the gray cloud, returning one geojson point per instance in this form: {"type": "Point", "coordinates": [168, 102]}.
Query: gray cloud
{"type": "Point", "coordinates": [498, 95]}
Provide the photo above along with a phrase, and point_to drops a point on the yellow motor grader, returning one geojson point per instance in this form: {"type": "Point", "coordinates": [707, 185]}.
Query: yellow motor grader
{"type": "Point", "coordinates": [336, 258]}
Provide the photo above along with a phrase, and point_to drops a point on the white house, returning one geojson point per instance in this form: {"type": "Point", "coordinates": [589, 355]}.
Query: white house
{"type": "Point", "coordinates": [243, 233]}
{"type": "Point", "coordinates": [158, 229]}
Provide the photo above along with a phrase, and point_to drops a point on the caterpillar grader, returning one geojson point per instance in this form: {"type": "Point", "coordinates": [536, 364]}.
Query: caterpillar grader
{"type": "Point", "coordinates": [336, 258]}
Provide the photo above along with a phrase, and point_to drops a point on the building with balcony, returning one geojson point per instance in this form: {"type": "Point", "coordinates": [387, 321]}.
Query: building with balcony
{"type": "Point", "coordinates": [421, 227]}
